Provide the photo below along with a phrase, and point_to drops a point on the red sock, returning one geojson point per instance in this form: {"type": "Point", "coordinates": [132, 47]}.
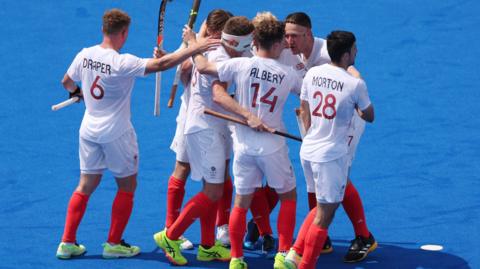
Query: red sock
{"type": "Point", "coordinates": [286, 224]}
{"type": "Point", "coordinates": [225, 203]}
{"type": "Point", "coordinates": [199, 205]}
{"type": "Point", "coordinates": [354, 209]}
{"type": "Point", "coordinates": [207, 226]}
{"type": "Point", "coordinates": [237, 226]}
{"type": "Point", "coordinates": [76, 209]}
{"type": "Point", "coordinates": [175, 194]}
{"type": "Point", "coordinates": [272, 197]}
{"type": "Point", "coordinates": [121, 210]}
{"type": "Point", "coordinates": [299, 245]}
{"type": "Point", "coordinates": [260, 212]}
{"type": "Point", "coordinates": [312, 200]}
{"type": "Point", "coordinates": [313, 246]}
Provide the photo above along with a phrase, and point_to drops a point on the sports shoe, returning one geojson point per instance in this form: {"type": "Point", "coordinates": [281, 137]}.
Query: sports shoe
{"type": "Point", "coordinates": [292, 260]}
{"type": "Point", "coordinates": [223, 235]}
{"type": "Point", "coordinates": [67, 250]}
{"type": "Point", "coordinates": [217, 252]}
{"type": "Point", "coordinates": [186, 244]}
{"type": "Point", "coordinates": [327, 246]}
{"type": "Point", "coordinates": [280, 261]}
{"type": "Point", "coordinates": [119, 250]}
{"type": "Point", "coordinates": [268, 245]}
{"type": "Point", "coordinates": [237, 263]}
{"type": "Point", "coordinates": [170, 247]}
{"type": "Point", "coordinates": [252, 236]}
{"type": "Point", "coordinates": [360, 248]}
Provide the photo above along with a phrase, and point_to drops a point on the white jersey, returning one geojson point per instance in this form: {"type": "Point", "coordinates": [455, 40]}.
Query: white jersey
{"type": "Point", "coordinates": [332, 94]}
{"type": "Point", "coordinates": [201, 97]}
{"type": "Point", "coordinates": [262, 87]}
{"type": "Point", "coordinates": [301, 64]}
{"type": "Point", "coordinates": [107, 81]}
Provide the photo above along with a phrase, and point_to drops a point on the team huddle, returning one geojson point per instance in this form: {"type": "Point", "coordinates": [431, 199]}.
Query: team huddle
{"type": "Point", "coordinates": [246, 69]}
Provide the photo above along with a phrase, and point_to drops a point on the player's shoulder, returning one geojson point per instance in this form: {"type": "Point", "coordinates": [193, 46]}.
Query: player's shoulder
{"type": "Point", "coordinates": [217, 55]}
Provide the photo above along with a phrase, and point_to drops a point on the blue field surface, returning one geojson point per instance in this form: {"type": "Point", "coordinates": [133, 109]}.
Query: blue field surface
{"type": "Point", "coordinates": [417, 167]}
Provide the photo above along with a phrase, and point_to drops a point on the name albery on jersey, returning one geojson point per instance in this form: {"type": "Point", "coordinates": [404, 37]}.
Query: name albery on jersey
{"type": "Point", "coordinates": [328, 83]}
{"type": "Point", "coordinates": [97, 66]}
{"type": "Point", "coordinates": [266, 75]}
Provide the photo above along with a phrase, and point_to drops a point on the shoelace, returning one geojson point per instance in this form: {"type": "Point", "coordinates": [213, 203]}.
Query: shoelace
{"type": "Point", "coordinates": [125, 244]}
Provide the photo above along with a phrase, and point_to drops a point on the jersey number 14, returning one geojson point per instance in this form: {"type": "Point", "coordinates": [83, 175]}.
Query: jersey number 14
{"type": "Point", "coordinates": [265, 98]}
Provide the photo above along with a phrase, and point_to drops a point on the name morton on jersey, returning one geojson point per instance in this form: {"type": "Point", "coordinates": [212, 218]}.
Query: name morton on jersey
{"type": "Point", "coordinates": [328, 83]}
{"type": "Point", "coordinates": [97, 66]}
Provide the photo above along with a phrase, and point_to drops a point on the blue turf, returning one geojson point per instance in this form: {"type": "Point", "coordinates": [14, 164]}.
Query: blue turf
{"type": "Point", "coordinates": [416, 168]}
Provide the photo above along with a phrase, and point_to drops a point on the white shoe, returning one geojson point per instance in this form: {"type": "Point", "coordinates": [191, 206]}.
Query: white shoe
{"type": "Point", "coordinates": [292, 260]}
{"type": "Point", "coordinates": [223, 236]}
{"type": "Point", "coordinates": [186, 244]}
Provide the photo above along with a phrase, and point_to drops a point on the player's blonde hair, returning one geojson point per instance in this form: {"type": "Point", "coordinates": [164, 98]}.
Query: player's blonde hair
{"type": "Point", "coordinates": [263, 16]}
{"type": "Point", "coordinates": [114, 21]}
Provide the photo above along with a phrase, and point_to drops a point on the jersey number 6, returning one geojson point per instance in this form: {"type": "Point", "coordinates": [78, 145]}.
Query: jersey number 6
{"type": "Point", "coordinates": [96, 90]}
{"type": "Point", "coordinates": [264, 99]}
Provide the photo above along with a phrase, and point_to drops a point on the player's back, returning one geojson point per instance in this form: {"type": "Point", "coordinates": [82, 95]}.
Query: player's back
{"type": "Point", "coordinates": [332, 94]}
{"type": "Point", "coordinates": [107, 82]}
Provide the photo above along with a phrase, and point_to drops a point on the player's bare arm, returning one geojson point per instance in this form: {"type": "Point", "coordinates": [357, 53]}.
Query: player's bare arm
{"type": "Point", "coordinates": [367, 114]}
{"type": "Point", "coordinates": [305, 114]}
{"type": "Point", "coordinates": [221, 97]}
{"type": "Point", "coordinates": [172, 59]}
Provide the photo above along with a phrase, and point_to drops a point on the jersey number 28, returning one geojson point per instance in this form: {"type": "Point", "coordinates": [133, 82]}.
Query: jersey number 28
{"type": "Point", "coordinates": [328, 110]}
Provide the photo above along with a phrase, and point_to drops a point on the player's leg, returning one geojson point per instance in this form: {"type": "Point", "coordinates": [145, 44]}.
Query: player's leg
{"type": "Point", "coordinates": [224, 207]}
{"type": "Point", "coordinates": [122, 159]}
{"type": "Point", "coordinates": [92, 164]}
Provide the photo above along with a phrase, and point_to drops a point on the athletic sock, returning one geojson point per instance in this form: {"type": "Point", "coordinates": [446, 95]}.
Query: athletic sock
{"type": "Point", "coordinates": [299, 245]}
{"type": "Point", "coordinates": [75, 210]}
{"type": "Point", "coordinates": [121, 210]}
{"type": "Point", "coordinates": [272, 197]}
{"type": "Point", "coordinates": [286, 224]}
{"type": "Point", "coordinates": [352, 203]}
{"type": "Point", "coordinates": [225, 203]}
{"type": "Point", "coordinates": [199, 205]}
{"type": "Point", "coordinates": [237, 226]}
{"type": "Point", "coordinates": [260, 212]}
{"type": "Point", "coordinates": [175, 194]}
{"type": "Point", "coordinates": [313, 246]}
{"type": "Point", "coordinates": [207, 226]}
{"type": "Point", "coordinates": [312, 200]}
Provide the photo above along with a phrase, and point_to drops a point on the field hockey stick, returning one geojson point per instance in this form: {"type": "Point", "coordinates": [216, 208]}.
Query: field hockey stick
{"type": "Point", "coordinates": [158, 75]}
{"type": "Point", "coordinates": [301, 125]}
{"type": "Point", "coordinates": [243, 122]}
{"type": "Point", "coordinates": [191, 22]}
{"type": "Point", "coordinates": [65, 103]}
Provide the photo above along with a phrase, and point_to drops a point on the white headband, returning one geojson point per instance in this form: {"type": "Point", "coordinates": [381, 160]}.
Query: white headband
{"type": "Point", "coordinates": [238, 43]}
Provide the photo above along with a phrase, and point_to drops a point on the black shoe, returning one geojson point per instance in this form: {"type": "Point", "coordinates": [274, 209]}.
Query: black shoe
{"type": "Point", "coordinates": [360, 248]}
{"type": "Point", "coordinates": [269, 247]}
{"type": "Point", "coordinates": [252, 235]}
{"type": "Point", "coordinates": [327, 246]}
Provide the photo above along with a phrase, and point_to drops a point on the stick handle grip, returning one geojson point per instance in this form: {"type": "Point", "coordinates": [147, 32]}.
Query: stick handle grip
{"type": "Point", "coordinates": [65, 103]}
{"type": "Point", "coordinates": [173, 91]}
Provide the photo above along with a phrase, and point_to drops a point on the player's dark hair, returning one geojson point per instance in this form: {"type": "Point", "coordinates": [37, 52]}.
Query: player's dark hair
{"type": "Point", "coordinates": [299, 18]}
{"type": "Point", "coordinates": [269, 32]}
{"type": "Point", "coordinates": [338, 43]}
{"type": "Point", "coordinates": [216, 19]}
{"type": "Point", "coordinates": [114, 21]}
{"type": "Point", "coordinates": [239, 26]}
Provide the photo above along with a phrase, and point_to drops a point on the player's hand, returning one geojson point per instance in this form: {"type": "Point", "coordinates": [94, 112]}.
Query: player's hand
{"type": "Point", "coordinates": [158, 53]}
{"type": "Point", "coordinates": [203, 45]}
{"type": "Point", "coordinates": [257, 124]}
{"type": "Point", "coordinates": [77, 93]}
{"type": "Point", "coordinates": [188, 35]}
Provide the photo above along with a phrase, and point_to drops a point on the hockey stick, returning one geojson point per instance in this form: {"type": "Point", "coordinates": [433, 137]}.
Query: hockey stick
{"type": "Point", "coordinates": [65, 103]}
{"type": "Point", "coordinates": [243, 122]}
{"type": "Point", "coordinates": [158, 75]}
{"type": "Point", "coordinates": [301, 126]}
{"type": "Point", "coordinates": [191, 22]}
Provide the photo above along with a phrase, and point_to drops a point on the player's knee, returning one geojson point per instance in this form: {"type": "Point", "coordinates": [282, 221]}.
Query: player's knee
{"type": "Point", "coordinates": [213, 191]}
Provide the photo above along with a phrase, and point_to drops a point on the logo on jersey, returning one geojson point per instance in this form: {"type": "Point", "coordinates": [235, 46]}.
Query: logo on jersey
{"type": "Point", "coordinates": [213, 171]}
{"type": "Point", "coordinates": [300, 66]}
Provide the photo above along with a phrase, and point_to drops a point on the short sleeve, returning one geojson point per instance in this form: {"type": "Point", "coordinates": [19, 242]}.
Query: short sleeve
{"type": "Point", "coordinates": [75, 69]}
{"type": "Point", "coordinates": [297, 83]}
{"type": "Point", "coordinates": [132, 66]}
{"type": "Point", "coordinates": [304, 89]}
{"type": "Point", "coordinates": [227, 69]}
{"type": "Point", "coordinates": [361, 93]}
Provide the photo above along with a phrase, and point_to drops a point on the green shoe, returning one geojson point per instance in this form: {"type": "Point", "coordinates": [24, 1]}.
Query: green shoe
{"type": "Point", "coordinates": [67, 250]}
{"type": "Point", "coordinates": [217, 252]}
{"type": "Point", "coordinates": [280, 261]}
{"type": "Point", "coordinates": [170, 247]}
{"type": "Point", "coordinates": [237, 263]}
{"type": "Point", "coordinates": [292, 260]}
{"type": "Point", "coordinates": [123, 250]}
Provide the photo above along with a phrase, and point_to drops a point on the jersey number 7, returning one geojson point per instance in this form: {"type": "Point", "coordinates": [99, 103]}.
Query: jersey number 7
{"type": "Point", "coordinates": [264, 99]}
